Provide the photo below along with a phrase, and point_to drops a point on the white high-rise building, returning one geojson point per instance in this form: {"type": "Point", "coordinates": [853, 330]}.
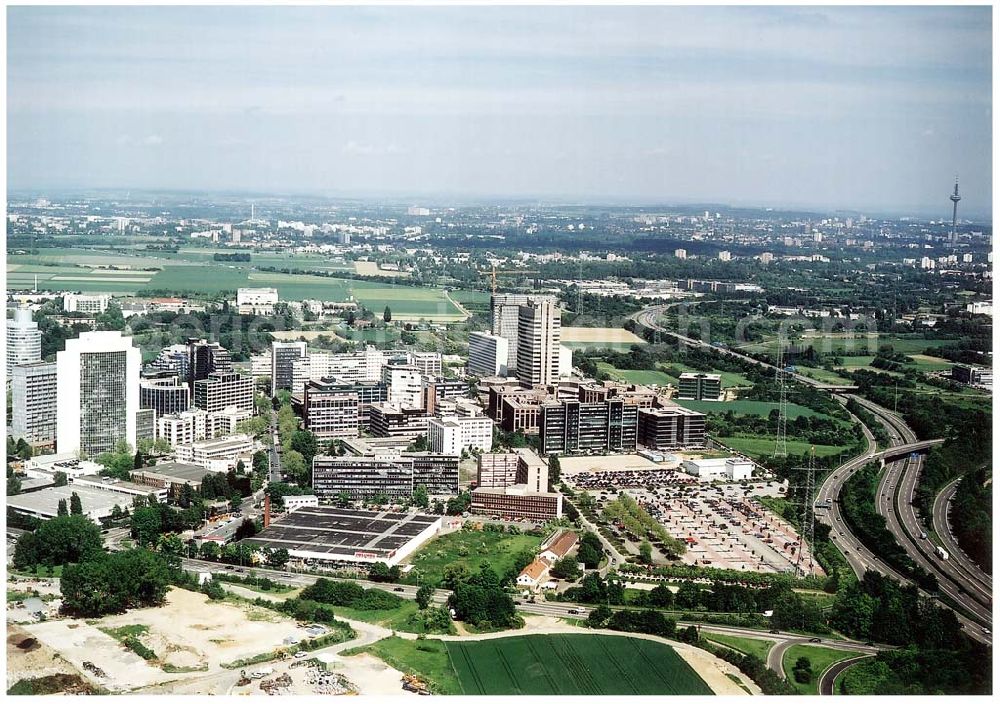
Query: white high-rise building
{"type": "Point", "coordinates": [405, 385]}
{"type": "Point", "coordinates": [428, 363]}
{"type": "Point", "coordinates": [24, 340]}
{"type": "Point", "coordinates": [33, 400]}
{"type": "Point", "coordinates": [97, 392]}
{"type": "Point", "coordinates": [504, 312]}
{"type": "Point", "coordinates": [452, 434]}
{"type": "Point", "coordinates": [725, 256]}
{"type": "Point", "coordinates": [488, 354]}
{"type": "Point", "coordinates": [538, 327]}
{"type": "Point", "coordinates": [681, 253]}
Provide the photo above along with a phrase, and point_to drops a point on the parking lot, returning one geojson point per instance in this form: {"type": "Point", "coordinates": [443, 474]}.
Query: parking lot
{"type": "Point", "coordinates": [723, 525]}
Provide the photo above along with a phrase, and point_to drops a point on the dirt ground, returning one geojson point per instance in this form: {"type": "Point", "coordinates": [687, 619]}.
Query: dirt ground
{"type": "Point", "coordinates": [187, 632]}
{"type": "Point", "coordinates": [599, 335]}
{"type": "Point", "coordinates": [372, 269]}
{"type": "Point", "coordinates": [27, 658]}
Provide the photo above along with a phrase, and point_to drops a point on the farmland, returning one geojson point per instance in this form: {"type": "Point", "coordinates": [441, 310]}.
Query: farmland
{"type": "Point", "coordinates": [470, 548]}
{"type": "Point", "coordinates": [617, 339]}
{"type": "Point", "coordinates": [572, 664]}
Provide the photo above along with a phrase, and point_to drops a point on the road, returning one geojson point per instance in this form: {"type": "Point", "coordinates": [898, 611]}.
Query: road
{"type": "Point", "coordinates": [830, 674]}
{"type": "Point", "coordinates": [859, 557]}
{"type": "Point", "coordinates": [957, 556]}
{"type": "Point", "coordinates": [275, 458]}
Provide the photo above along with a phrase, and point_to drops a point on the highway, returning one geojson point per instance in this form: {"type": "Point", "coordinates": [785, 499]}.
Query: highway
{"type": "Point", "coordinates": [942, 527]}
{"type": "Point", "coordinates": [963, 589]}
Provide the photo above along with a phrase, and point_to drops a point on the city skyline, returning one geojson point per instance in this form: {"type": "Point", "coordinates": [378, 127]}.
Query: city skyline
{"type": "Point", "coordinates": [858, 108]}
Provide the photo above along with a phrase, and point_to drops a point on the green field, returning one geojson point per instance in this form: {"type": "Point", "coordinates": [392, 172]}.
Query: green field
{"type": "Point", "coordinates": [827, 377]}
{"type": "Point", "coordinates": [764, 447]}
{"type": "Point", "coordinates": [743, 408]}
{"type": "Point", "coordinates": [572, 664]}
{"type": "Point", "coordinates": [636, 376]}
{"type": "Point", "coordinates": [428, 659]}
{"type": "Point", "coordinates": [747, 646]}
{"type": "Point", "coordinates": [470, 548]}
{"type": "Point", "coordinates": [820, 658]}
{"type": "Point", "coordinates": [615, 346]}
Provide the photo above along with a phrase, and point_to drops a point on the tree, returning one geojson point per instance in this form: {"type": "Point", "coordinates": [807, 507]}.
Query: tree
{"type": "Point", "coordinates": [209, 550]}
{"type": "Point", "coordinates": [116, 513]}
{"type": "Point", "coordinates": [645, 552]}
{"type": "Point", "coordinates": [60, 479]}
{"type": "Point", "coordinates": [138, 462]}
{"type": "Point", "coordinates": [146, 524]}
{"type": "Point", "coordinates": [687, 596]}
{"type": "Point", "coordinates": [689, 635]}
{"type": "Point", "coordinates": [58, 541]}
{"type": "Point", "coordinates": [304, 443]}
{"type": "Point", "coordinates": [342, 499]}
{"type": "Point", "coordinates": [381, 572]}
{"type": "Point", "coordinates": [419, 444]}
{"type": "Point", "coordinates": [590, 551]}
{"type": "Point", "coordinates": [599, 617]}
{"type": "Point", "coordinates": [566, 568]}
{"type": "Point", "coordinates": [420, 497]}
{"type": "Point", "coordinates": [13, 482]}
{"type": "Point", "coordinates": [294, 464]}
{"type": "Point", "coordinates": [75, 505]}
{"type": "Point", "coordinates": [278, 558]}
{"type": "Point", "coordinates": [61, 509]}
{"type": "Point", "coordinates": [387, 314]}
{"type": "Point", "coordinates": [241, 467]}
{"type": "Point", "coordinates": [803, 671]}
{"type": "Point", "coordinates": [424, 595]}
{"type": "Point", "coordinates": [554, 469]}
{"type": "Point", "coordinates": [114, 582]}
{"type": "Point", "coordinates": [247, 529]}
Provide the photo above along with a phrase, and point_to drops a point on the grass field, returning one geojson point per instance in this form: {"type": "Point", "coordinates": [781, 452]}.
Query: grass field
{"type": "Point", "coordinates": [820, 658]}
{"type": "Point", "coordinates": [827, 377]}
{"type": "Point", "coordinates": [747, 646]}
{"type": "Point", "coordinates": [764, 447]}
{"type": "Point", "coordinates": [858, 345]}
{"type": "Point", "coordinates": [427, 659]}
{"type": "Point", "coordinates": [572, 664]}
{"type": "Point", "coordinates": [741, 408]}
{"type": "Point", "coordinates": [615, 346]}
{"type": "Point", "coordinates": [471, 548]}
{"type": "Point", "coordinates": [636, 376]}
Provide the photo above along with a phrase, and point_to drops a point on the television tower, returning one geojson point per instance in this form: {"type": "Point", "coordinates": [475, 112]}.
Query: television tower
{"type": "Point", "coordinates": [954, 210]}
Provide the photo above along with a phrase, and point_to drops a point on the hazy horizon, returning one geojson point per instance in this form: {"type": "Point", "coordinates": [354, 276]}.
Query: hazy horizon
{"type": "Point", "coordinates": [851, 108]}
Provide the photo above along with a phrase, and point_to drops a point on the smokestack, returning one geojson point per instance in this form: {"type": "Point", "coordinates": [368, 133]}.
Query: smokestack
{"type": "Point", "coordinates": [267, 510]}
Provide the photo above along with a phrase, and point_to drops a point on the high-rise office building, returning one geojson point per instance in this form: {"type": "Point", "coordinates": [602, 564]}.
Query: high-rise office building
{"type": "Point", "coordinates": [97, 392]}
{"type": "Point", "coordinates": [283, 355]}
{"type": "Point", "coordinates": [488, 354]}
{"type": "Point", "coordinates": [572, 426]}
{"type": "Point", "coordinates": [332, 410]}
{"type": "Point", "coordinates": [205, 358]}
{"type": "Point", "coordinates": [224, 390]}
{"type": "Point", "coordinates": [504, 313]}
{"type": "Point", "coordinates": [538, 327]}
{"type": "Point", "coordinates": [698, 386]}
{"type": "Point", "coordinates": [165, 395]}
{"type": "Point", "coordinates": [405, 384]}
{"type": "Point", "coordinates": [670, 428]}
{"type": "Point", "coordinates": [24, 340]}
{"type": "Point", "coordinates": [33, 400]}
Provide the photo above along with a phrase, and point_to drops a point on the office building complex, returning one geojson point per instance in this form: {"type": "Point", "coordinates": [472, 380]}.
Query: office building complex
{"type": "Point", "coordinates": [390, 420]}
{"type": "Point", "coordinates": [218, 455]}
{"type": "Point", "coordinates": [221, 390]}
{"type": "Point", "coordinates": [405, 384]}
{"type": "Point", "coordinates": [390, 474]}
{"type": "Point", "coordinates": [24, 340]}
{"type": "Point", "coordinates": [516, 502]}
{"type": "Point", "coordinates": [671, 428]}
{"type": "Point", "coordinates": [97, 391]}
{"type": "Point", "coordinates": [698, 386]}
{"type": "Point", "coordinates": [488, 355]}
{"type": "Point", "coordinates": [538, 342]}
{"type": "Point", "coordinates": [428, 363]}
{"type": "Point", "coordinates": [33, 403]}
{"type": "Point", "coordinates": [283, 355]}
{"type": "Point", "coordinates": [332, 410]}
{"type": "Point", "coordinates": [573, 427]}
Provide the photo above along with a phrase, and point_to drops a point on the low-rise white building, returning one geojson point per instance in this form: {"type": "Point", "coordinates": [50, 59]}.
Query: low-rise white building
{"type": "Point", "coordinates": [219, 455]}
{"type": "Point", "coordinates": [256, 301]}
{"type": "Point", "coordinates": [718, 468]}
{"type": "Point", "coordinates": [452, 434]}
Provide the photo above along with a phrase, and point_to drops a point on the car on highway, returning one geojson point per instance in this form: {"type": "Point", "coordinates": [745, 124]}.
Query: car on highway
{"type": "Point", "coordinates": [574, 611]}
{"type": "Point", "coordinates": [301, 654]}
{"type": "Point", "coordinates": [399, 589]}
{"type": "Point", "coordinates": [923, 536]}
{"type": "Point", "coordinates": [815, 640]}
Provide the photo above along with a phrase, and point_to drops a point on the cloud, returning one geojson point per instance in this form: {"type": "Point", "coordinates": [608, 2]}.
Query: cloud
{"type": "Point", "coordinates": [151, 140]}
{"type": "Point", "coordinates": [353, 148]}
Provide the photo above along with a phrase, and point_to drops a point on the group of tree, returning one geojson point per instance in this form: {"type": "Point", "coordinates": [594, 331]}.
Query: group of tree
{"type": "Point", "coordinates": [18, 449]}
{"type": "Point", "coordinates": [110, 583]}
{"type": "Point", "coordinates": [152, 518]}
{"type": "Point", "coordinates": [58, 541]}
{"type": "Point", "coordinates": [381, 572]}
{"type": "Point", "coordinates": [480, 599]}
{"type": "Point", "coordinates": [350, 594]}
{"type": "Point", "coordinates": [972, 518]}
{"type": "Point", "coordinates": [648, 621]}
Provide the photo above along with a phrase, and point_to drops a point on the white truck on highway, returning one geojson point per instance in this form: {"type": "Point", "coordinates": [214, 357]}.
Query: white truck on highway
{"type": "Point", "coordinates": [941, 552]}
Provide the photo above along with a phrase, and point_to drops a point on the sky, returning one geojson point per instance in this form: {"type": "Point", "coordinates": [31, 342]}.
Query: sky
{"type": "Point", "coordinates": [850, 107]}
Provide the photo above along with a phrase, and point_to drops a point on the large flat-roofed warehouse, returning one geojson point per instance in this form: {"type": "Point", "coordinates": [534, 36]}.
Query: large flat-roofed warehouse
{"type": "Point", "coordinates": [333, 536]}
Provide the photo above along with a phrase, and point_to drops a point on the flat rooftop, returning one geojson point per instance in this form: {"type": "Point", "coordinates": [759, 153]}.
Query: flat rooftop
{"type": "Point", "coordinates": [45, 502]}
{"type": "Point", "coordinates": [340, 531]}
{"type": "Point", "coordinates": [178, 470]}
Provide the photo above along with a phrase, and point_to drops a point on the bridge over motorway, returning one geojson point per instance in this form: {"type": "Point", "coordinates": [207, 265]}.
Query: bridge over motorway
{"type": "Point", "coordinates": [901, 451]}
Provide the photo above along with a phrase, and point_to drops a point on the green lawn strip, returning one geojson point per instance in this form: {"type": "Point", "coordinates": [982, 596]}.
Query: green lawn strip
{"type": "Point", "coordinates": [764, 447]}
{"type": "Point", "coordinates": [823, 375]}
{"type": "Point", "coordinates": [470, 548]}
{"type": "Point", "coordinates": [748, 646]}
{"type": "Point", "coordinates": [428, 659]}
{"type": "Point", "coordinates": [745, 407]}
{"type": "Point", "coordinates": [820, 658]}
